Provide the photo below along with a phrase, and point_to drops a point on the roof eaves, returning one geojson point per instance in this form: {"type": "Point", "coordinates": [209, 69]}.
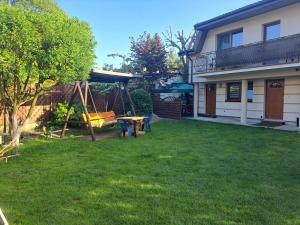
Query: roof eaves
{"type": "Point", "coordinates": [244, 13]}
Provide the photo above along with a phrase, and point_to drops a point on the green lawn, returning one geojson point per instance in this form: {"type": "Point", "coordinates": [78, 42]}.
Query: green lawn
{"type": "Point", "coordinates": [183, 173]}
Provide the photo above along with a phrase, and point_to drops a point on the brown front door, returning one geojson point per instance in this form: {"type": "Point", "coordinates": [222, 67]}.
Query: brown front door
{"type": "Point", "coordinates": [274, 99]}
{"type": "Point", "coordinates": [211, 99]}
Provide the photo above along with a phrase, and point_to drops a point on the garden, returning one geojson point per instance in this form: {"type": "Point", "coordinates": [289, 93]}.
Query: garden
{"type": "Point", "coordinates": [213, 174]}
{"type": "Point", "coordinates": [182, 172]}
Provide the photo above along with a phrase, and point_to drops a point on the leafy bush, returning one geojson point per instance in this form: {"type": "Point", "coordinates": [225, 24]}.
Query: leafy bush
{"type": "Point", "coordinates": [78, 110]}
{"type": "Point", "coordinates": [142, 101]}
{"type": "Point", "coordinates": [60, 112]}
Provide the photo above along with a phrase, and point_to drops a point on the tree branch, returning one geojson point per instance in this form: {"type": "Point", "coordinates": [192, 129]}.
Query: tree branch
{"type": "Point", "coordinates": [31, 109]}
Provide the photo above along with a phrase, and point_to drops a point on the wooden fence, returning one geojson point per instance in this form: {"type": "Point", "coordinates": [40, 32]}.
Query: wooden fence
{"type": "Point", "coordinates": [168, 108]}
{"type": "Point", "coordinates": [43, 111]}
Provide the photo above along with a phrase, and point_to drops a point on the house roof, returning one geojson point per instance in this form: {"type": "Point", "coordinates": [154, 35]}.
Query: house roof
{"type": "Point", "coordinates": [104, 76]}
{"type": "Point", "coordinates": [245, 12]}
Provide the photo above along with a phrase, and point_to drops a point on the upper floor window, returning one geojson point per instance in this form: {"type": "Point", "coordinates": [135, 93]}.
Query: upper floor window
{"type": "Point", "coordinates": [230, 39]}
{"type": "Point", "coordinates": [272, 31]}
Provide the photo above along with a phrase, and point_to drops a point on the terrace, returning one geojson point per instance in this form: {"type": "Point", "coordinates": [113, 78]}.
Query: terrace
{"type": "Point", "coordinates": [281, 51]}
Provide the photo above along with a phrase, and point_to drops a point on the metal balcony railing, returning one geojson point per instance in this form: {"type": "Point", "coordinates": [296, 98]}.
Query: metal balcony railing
{"type": "Point", "coordinates": [283, 50]}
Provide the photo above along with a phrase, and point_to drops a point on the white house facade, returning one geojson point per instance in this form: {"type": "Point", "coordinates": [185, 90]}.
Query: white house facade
{"type": "Point", "coordinates": [246, 63]}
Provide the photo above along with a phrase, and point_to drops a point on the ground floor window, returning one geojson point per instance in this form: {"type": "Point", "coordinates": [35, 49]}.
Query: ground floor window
{"type": "Point", "coordinates": [234, 92]}
{"type": "Point", "coordinates": [250, 91]}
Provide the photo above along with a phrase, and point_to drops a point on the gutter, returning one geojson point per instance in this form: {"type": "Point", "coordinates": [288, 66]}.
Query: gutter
{"type": "Point", "coordinates": [245, 12]}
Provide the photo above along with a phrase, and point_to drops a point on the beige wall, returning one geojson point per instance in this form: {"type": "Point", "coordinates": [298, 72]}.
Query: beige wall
{"type": "Point", "coordinates": [291, 99]}
{"type": "Point", "coordinates": [253, 27]}
{"type": "Point", "coordinates": [253, 32]}
{"type": "Point", "coordinates": [223, 108]}
{"type": "Point", "coordinates": [256, 108]}
{"type": "Point", "coordinates": [201, 108]}
{"type": "Point", "coordinates": [279, 73]}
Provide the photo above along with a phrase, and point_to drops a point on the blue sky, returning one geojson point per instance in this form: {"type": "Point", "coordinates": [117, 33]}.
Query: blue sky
{"type": "Point", "coordinates": [114, 21]}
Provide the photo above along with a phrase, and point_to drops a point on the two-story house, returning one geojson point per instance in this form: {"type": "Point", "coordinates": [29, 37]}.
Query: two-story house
{"type": "Point", "coordinates": [246, 63]}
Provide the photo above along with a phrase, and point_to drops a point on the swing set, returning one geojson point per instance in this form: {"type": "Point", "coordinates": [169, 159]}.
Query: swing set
{"type": "Point", "coordinates": [98, 119]}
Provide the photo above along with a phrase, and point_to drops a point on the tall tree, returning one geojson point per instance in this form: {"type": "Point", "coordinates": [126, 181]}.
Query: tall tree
{"type": "Point", "coordinates": [173, 61]}
{"type": "Point", "coordinates": [37, 5]}
{"type": "Point", "coordinates": [149, 54]}
{"type": "Point", "coordinates": [180, 41]}
{"type": "Point", "coordinates": [38, 50]}
{"type": "Point", "coordinates": [108, 67]}
{"type": "Point", "coordinates": [126, 64]}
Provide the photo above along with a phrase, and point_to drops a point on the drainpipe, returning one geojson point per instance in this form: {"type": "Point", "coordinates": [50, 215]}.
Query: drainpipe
{"type": "Point", "coordinates": [195, 87]}
{"type": "Point", "coordinates": [192, 65]}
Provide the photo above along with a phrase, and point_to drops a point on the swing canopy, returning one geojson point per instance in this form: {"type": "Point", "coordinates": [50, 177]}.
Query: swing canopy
{"type": "Point", "coordinates": [102, 76]}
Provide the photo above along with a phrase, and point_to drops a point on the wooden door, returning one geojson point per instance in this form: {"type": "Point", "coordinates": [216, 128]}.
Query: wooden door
{"type": "Point", "coordinates": [210, 99]}
{"type": "Point", "coordinates": [274, 99]}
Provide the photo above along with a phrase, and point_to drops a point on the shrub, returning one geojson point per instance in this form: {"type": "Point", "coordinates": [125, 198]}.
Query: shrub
{"type": "Point", "coordinates": [78, 110]}
{"type": "Point", "coordinates": [142, 101]}
{"type": "Point", "coordinates": [60, 112]}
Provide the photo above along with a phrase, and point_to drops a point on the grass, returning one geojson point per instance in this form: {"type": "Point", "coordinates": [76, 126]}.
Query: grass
{"type": "Point", "coordinates": [183, 173]}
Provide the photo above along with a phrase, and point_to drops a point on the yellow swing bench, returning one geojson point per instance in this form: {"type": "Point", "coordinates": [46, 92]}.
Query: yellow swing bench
{"type": "Point", "coordinates": [101, 119]}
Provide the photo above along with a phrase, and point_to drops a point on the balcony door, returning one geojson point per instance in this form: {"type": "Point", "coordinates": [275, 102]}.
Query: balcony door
{"type": "Point", "coordinates": [230, 39]}
{"type": "Point", "coordinates": [211, 99]}
{"type": "Point", "coordinates": [274, 99]}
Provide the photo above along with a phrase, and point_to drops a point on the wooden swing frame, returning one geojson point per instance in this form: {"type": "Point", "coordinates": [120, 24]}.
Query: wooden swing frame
{"type": "Point", "coordinates": [83, 96]}
{"type": "Point", "coordinates": [3, 219]}
{"type": "Point", "coordinates": [4, 151]}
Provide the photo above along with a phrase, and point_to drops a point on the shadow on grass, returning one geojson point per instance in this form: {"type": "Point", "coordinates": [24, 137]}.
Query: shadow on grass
{"type": "Point", "coordinates": [182, 173]}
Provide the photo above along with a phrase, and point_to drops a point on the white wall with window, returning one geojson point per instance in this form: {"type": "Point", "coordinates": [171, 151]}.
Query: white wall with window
{"type": "Point", "coordinates": [256, 99]}
{"type": "Point", "coordinates": [284, 22]}
{"type": "Point", "coordinates": [272, 31]}
{"type": "Point", "coordinates": [228, 99]}
{"type": "Point", "coordinates": [230, 39]}
{"type": "Point", "coordinates": [266, 27]}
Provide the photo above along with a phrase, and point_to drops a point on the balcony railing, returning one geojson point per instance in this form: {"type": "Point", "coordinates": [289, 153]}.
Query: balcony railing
{"type": "Point", "coordinates": [283, 50]}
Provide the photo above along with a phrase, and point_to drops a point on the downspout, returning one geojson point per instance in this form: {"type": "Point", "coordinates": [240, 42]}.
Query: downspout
{"type": "Point", "coordinates": [192, 66]}
{"type": "Point", "coordinates": [194, 85]}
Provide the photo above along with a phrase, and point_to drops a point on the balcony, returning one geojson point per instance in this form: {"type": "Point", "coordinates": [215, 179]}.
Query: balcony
{"type": "Point", "coordinates": [285, 50]}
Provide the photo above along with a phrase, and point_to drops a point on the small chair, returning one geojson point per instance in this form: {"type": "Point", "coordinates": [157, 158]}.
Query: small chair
{"type": "Point", "coordinates": [126, 128]}
{"type": "Point", "coordinates": [147, 122]}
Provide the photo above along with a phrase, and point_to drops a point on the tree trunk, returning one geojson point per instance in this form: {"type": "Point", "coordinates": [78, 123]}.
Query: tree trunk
{"type": "Point", "coordinates": [16, 130]}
